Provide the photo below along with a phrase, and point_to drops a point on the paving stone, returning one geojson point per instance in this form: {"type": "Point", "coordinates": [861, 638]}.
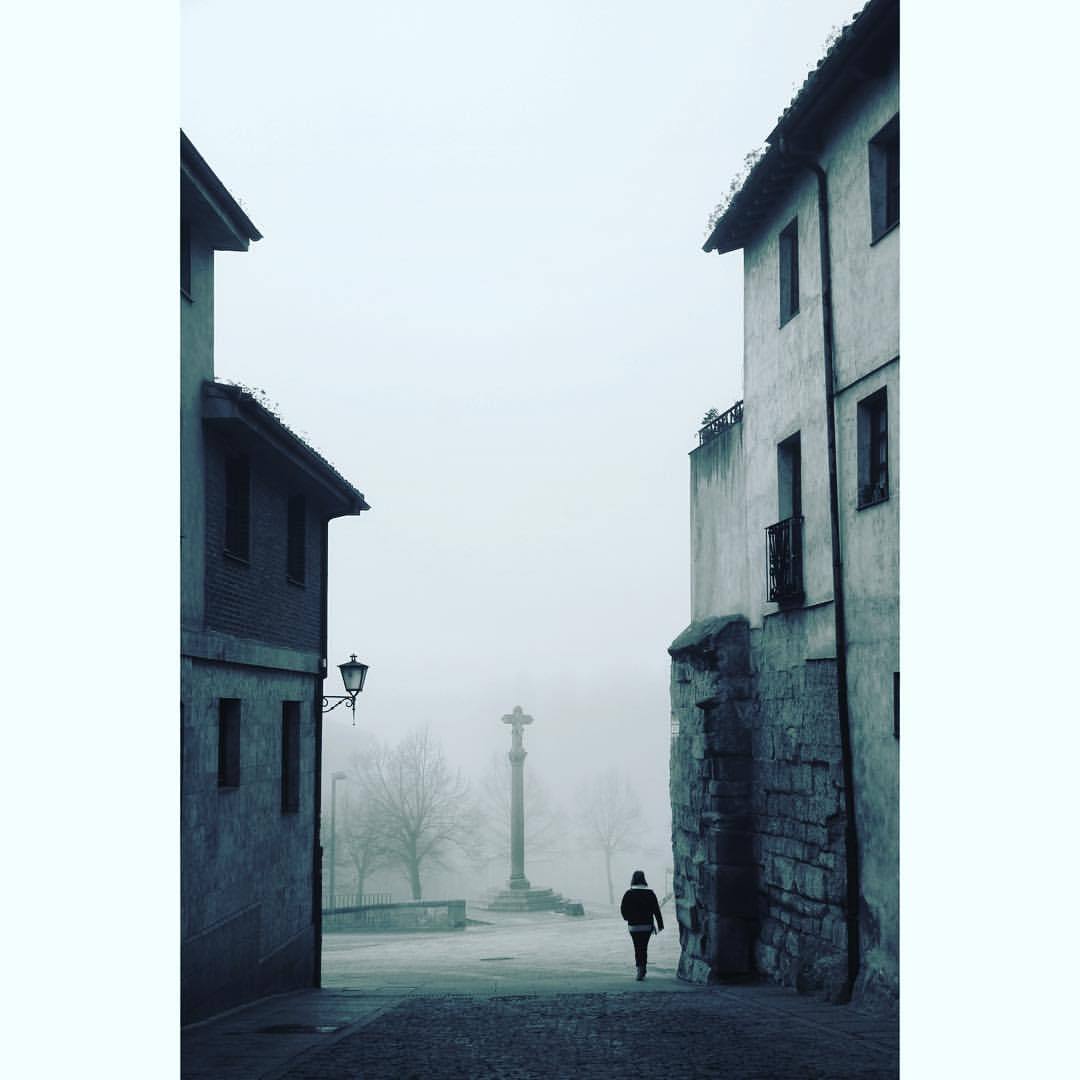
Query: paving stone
{"type": "Point", "coordinates": [704, 1033]}
{"type": "Point", "coordinates": [528, 996]}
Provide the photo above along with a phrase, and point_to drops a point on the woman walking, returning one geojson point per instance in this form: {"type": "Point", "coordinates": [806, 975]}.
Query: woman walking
{"type": "Point", "coordinates": [639, 908]}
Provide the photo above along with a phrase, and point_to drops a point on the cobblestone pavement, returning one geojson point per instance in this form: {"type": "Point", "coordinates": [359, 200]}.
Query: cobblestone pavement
{"type": "Point", "coordinates": [733, 1033]}
{"type": "Point", "coordinates": [530, 996]}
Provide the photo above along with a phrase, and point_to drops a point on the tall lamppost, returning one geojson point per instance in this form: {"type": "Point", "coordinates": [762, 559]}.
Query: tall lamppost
{"type": "Point", "coordinates": [333, 833]}
{"type": "Point", "coordinates": [353, 674]}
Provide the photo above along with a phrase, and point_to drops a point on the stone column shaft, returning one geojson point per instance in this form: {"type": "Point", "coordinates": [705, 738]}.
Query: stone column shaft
{"type": "Point", "coordinates": [518, 880]}
{"type": "Point", "coordinates": [517, 720]}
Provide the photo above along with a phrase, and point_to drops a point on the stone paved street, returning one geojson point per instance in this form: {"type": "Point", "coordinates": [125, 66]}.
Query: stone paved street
{"type": "Point", "coordinates": [530, 996]}
{"type": "Point", "coordinates": [710, 1032]}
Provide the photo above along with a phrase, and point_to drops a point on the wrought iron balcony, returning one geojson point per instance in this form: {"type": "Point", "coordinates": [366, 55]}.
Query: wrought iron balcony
{"type": "Point", "coordinates": [785, 560]}
{"type": "Point", "coordinates": [713, 425]}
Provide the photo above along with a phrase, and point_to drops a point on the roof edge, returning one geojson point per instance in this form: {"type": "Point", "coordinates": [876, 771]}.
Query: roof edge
{"type": "Point", "coordinates": [240, 403]}
{"type": "Point", "coordinates": [866, 29]}
{"type": "Point", "coordinates": [202, 174]}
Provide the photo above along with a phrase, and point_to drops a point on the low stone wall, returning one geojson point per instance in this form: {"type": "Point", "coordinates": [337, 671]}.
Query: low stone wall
{"type": "Point", "coordinates": [406, 915]}
{"type": "Point", "coordinates": [757, 805]}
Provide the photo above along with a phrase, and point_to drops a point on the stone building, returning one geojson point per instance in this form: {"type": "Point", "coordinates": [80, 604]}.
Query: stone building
{"type": "Point", "coordinates": [256, 501]}
{"type": "Point", "coordinates": [785, 686]}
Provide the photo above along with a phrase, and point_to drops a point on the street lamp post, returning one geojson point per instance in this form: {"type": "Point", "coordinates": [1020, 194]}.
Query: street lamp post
{"type": "Point", "coordinates": [333, 833]}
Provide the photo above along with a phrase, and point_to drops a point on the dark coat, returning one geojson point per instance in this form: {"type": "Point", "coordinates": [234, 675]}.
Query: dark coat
{"type": "Point", "coordinates": [640, 906]}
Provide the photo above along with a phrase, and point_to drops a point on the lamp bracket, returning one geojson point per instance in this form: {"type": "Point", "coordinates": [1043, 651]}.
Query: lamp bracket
{"type": "Point", "coordinates": [339, 699]}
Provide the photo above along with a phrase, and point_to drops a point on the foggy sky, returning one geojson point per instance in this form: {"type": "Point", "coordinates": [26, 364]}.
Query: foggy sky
{"type": "Point", "coordinates": [481, 294]}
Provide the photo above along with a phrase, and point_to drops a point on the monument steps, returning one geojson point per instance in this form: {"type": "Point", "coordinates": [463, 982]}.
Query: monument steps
{"type": "Point", "coordinates": [524, 900]}
{"type": "Point", "coordinates": [520, 895]}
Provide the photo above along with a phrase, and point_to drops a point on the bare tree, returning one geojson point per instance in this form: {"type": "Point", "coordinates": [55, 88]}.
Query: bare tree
{"type": "Point", "coordinates": [418, 808]}
{"type": "Point", "coordinates": [363, 832]}
{"type": "Point", "coordinates": [610, 817]}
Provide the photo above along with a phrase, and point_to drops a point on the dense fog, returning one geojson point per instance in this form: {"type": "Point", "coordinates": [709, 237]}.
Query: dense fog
{"type": "Point", "coordinates": [481, 296]}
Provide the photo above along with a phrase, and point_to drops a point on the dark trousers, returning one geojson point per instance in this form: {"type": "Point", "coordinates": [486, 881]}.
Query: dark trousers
{"type": "Point", "coordinates": [641, 946]}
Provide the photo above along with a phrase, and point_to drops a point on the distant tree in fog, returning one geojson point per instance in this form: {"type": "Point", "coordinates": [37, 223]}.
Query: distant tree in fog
{"type": "Point", "coordinates": [544, 821]}
{"type": "Point", "coordinates": [417, 808]}
{"type": "Point", "coordinates": [362, 836]}
{"type": "Point", "coordinates": [609, 814]}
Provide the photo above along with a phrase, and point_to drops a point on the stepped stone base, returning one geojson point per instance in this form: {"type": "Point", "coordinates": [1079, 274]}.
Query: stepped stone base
{"type": "Point", "coordinates": [531, 899]}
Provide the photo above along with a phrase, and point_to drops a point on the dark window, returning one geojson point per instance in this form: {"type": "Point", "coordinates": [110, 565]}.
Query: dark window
{"type": "Point", "coordinates": [789, 477]}
{"type": "Point", "coordinates": [237, 506]}
{"type": "Point", "coordinates": [185, 259]}
{"type": "Point", "coordinates": [789, 271]}
{"type": "Point", "coordinates": [885, 179]}
{"type": "Point", "coordinates": [896, 704]}
{"type": "Point", "coordinates": [290, 757]}
{"type": "Point", "coordinates": [784, 539]}
{"type": "Point", "coordinates": [296, 544]}
{"type": "Point", "coordinates": [228, 742]}
{"type": "Point", "coordinates": [873, 449]}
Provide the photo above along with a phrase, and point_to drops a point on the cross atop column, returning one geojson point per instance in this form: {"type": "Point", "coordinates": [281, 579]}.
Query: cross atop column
{"type": "Point", "coordinates": [518, 719]}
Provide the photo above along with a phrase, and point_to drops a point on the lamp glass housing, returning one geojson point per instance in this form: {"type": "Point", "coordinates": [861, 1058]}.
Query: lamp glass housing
{"type": "Point", "coordinates": [353, 674]}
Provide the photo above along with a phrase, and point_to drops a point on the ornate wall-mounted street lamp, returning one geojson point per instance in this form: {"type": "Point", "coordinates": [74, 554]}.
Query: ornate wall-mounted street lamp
{"type": "Point", "coordinates": [353, 674]}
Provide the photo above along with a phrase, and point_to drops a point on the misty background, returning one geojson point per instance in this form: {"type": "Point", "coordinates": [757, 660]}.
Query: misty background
{"type": "Point", "coordinates": [481, 295]}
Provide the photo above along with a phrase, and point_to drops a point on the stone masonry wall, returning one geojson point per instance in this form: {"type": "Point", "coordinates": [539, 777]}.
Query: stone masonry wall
{"type": "Point", "coordinates": [757, 805]}
{"type": "Point", "coordinates": [798, 809]}
{"type": "Point", "coordinates": [712, 825]}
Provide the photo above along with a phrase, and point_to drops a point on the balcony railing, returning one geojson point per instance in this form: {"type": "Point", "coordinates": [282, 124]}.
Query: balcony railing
{"type": "Point", "coordinates": [785, 560]}
{"type": "Point", "coordinates": [711, 428]}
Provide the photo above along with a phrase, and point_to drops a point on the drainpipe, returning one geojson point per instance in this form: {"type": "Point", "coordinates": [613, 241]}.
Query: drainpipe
{"type": "Point", "coordinates": [316, 712]}
{"type": "Point", "coordinates": [851, 845]}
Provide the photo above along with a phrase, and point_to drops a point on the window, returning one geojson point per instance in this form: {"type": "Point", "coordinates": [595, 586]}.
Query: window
{"type": "Point", "coordinates": [296, 542]}
{"type": "Point", "coordinates": [185, 259]}
{"type": "Point", "coordinates": [885, 179]}
{"type": "Point", "coordinates": [784, 539]}
{"type": "Point", "coordinates": [290, 757]}
{"type": "Point", "coordinates": [896, 704]}
{"type": "Point", "coordinates": [237, 506]}
{"type": "Point", "coordinates": [789, 271]}
{"type": "Point", "coordinates": [789, 477]}
{"type": "Point", "coordinates": [873, 449]}
{"type": "Point", "coordinates": [228, 742]}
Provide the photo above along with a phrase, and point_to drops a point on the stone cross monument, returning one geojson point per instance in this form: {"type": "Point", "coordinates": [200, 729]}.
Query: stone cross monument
{"type": "Point", "coordinates": [517, 719]}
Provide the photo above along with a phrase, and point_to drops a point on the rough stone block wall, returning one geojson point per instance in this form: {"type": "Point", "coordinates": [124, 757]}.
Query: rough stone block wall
{"type": "Point", "coordinates": [757, 805]}
{"type": "Point", "coordinates": [710, 784]}
{"type": "Point", "coordinates": [798, 808]}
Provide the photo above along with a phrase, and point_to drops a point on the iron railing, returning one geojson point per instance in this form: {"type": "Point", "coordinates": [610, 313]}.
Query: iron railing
{"type": "Point", "coordinates": [784, 541]}
{"type": "Point", "coordinates": [350, 900]}
{"type": "Point", "coordinates": [713, 427]}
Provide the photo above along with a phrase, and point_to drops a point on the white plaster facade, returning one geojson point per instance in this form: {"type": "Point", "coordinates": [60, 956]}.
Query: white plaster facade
{"type": "Point", "coordinates": [734, 477]}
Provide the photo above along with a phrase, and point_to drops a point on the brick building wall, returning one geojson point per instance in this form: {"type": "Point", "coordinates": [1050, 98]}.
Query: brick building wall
{"type": "Point", "coordinates": [256, 598]}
